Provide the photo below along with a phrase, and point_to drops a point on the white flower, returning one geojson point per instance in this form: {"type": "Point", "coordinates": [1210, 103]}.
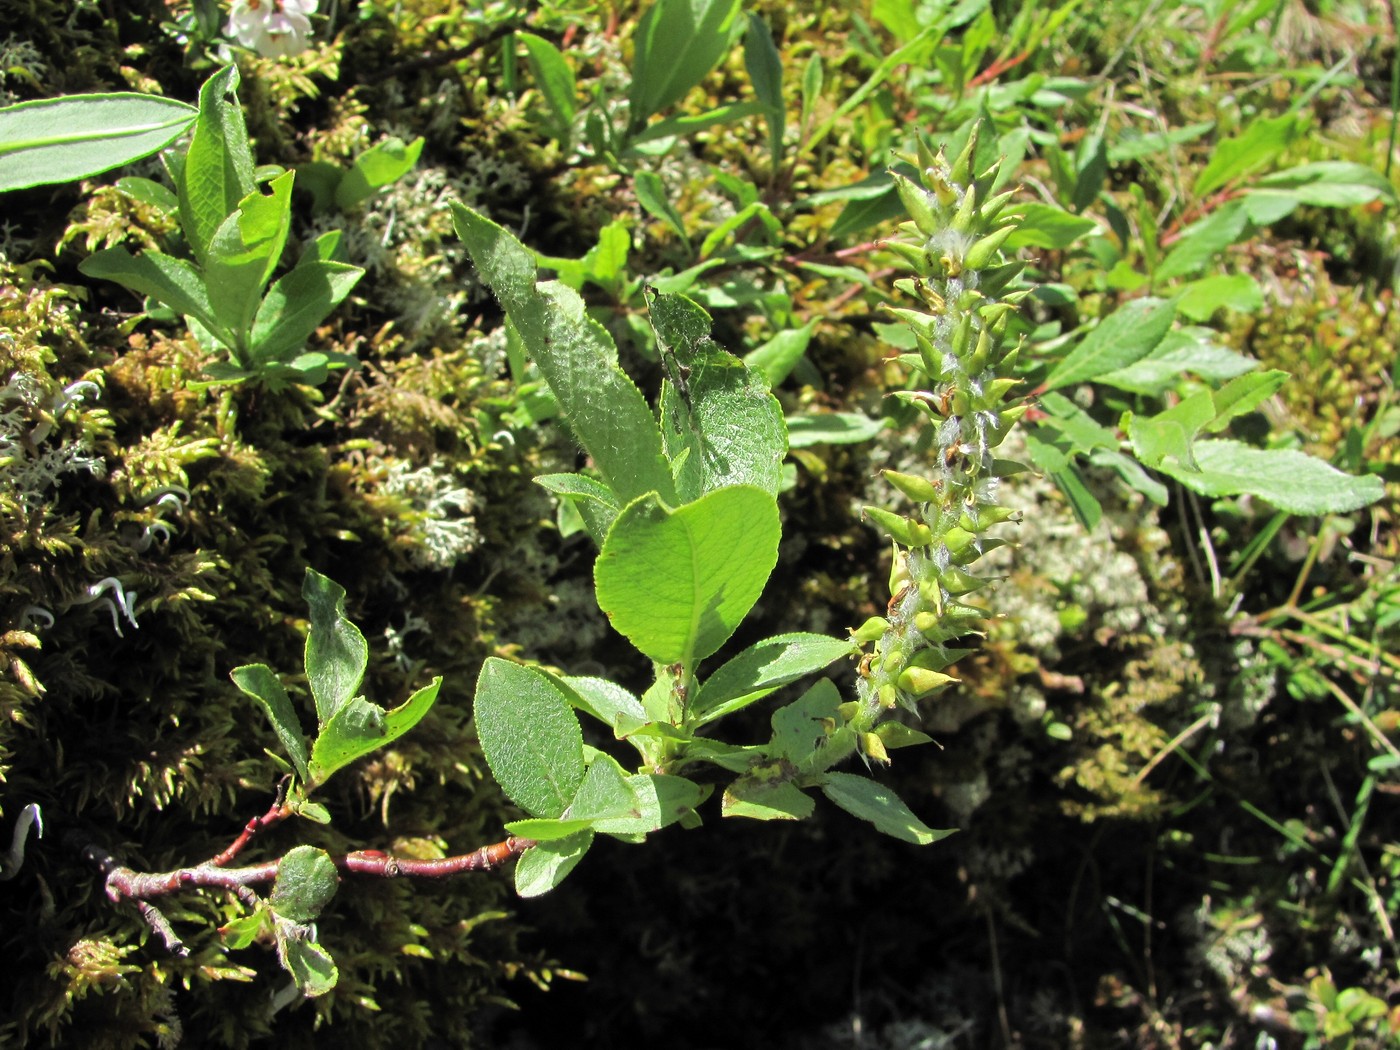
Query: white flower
{"type": "Point", "coordinates": [272, 28]}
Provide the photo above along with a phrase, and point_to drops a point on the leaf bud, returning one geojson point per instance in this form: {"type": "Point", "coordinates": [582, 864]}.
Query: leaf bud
{"type": "Point", "coordinates": [901, 529]}
{"type": "Point", "coordinates": [918, 204]}
{"type": "Point", "coordinates": [921, 490]}
{"type": "Point", "coordinates": [961, 170]}
{"type": "Point", "coordinates": [985, 250]}
{"type": "Point", "coordinates": [872, 630]}
{"type": "Point", "coordinates": [920, 682]}
{"type": "Point", "coordinates": [873, 747]}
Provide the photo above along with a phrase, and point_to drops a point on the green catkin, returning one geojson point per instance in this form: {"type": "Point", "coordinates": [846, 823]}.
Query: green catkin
{"type": "Point", "coordinates": [953, 245]}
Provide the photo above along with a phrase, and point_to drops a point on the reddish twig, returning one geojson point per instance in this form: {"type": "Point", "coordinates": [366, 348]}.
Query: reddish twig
{"type": "Point", "coordinates": [275, 814]}
{"type": "Point", "coordinates": [126, 883]}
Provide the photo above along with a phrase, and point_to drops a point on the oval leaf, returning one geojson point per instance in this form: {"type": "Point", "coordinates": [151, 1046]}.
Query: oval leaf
{"type": "Point", "coordinates": [359, 727]}
{"type": "Point", "coordinates": [530, 735]}
{"type": "Point", "coordinates": [306, 881]}
{"type": "Point", "coordinates": [677, 583]}
{"type": "Point", "coordinates": [258, 681]}
{"type": "Point", "coordinates": [1290, 480]}
{"type": "Point", "coordinates": [1128, 334]}
{"type": "Point", "coordinates": [882, 807]}
{"type": "Point", "coordinates": [336, 653]}
{"type": "Point", "coordinates": [543, 867]}
{"type": "Point", "coordinates": [762, 668]}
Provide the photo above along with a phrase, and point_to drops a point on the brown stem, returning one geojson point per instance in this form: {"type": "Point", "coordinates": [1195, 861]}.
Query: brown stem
{"type": "Point", "coordinates": [126, 883]}
{"type": "Point", "coordinates": [275, 814]}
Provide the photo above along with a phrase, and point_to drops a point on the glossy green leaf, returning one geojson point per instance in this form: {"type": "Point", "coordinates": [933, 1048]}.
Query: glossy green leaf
{"type": "Point", "coordinates": [616, 707]}
{"type": "Point", "coordinates": [555, 80]}
{"type": "Point", "coordinates": [217, 171]}
{"type": "Point", "coordinates": [306, 881]}
{"type": "Point", "coordinates": [1048, 226]}
{"type": "Point", "coordinates": [170, 281]}
{"type": "Point", "coordinates": [1290, 480]}
{"type": "Point", "coordinates": [336, 652]}
{"type": "Point", "coordinates": [651, 195]}
{"type": "Point", "coordinates": [244, 930]}
{"type": "Point", "coordinates": [258, 681]}
{"type": "Point", "coordinates": [1243, 394]}
{"type": "Point", "coordinates": [864, 798]}
{"type": "Point", "coordinates": [295, 304]}
{"type": "Point", "coordinates": [1261, 142]}
{"type": "Point", "coordinates": [677, 42]}
{"type": "Point", "coordinates": [244, 251]}
{"type": "Point", "coordinates": [359, 727]}
{"type": "Point", "coordinates": [1199, 300]}
{"type": "Point", "coordinates": [765, 68]}
{"type": "Point", "coordinates": [1200, 243]}
{"type": "Point", "coordinates": [1127, 335]}
{"type": "Point", "coordinates": [593, 500]}
{"type": "Point", "coordinates": [777, 357]}
{"type": "Point", "coordinates": [377, 167]}
{"type": "Point", "coordinates": [1184, 351]}
{"type": "Point", "coordinates": [530, 736]}
{"type": "Point", "coordinates": [832, 428]}
{"type": "Point", "coordinates": [762, 668]}
{"type": "Point", "coordinates": [606, 411]}
{"type": "Point", "coordinates": [677, 583]}
{"type": "Point", "coordinates": [721, 426]}
{"type": "Point", "coordinates": [544, 867]}
{"type": "Point", "coordinates": [1327, 184]}
{"type": "Point", "coordinates": [782, 801]}
{"type": "Point", "coordinates": [56, 140]}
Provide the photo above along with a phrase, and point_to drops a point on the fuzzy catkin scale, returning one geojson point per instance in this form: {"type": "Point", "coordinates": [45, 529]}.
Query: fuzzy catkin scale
{"type": "Point", "coordinates": [964, 371]}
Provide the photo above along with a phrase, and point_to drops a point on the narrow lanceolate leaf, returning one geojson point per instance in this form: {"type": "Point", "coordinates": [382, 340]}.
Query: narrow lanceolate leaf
{"type": "Point", "coordinates": [1129, 334]}
{"type": "Point", "coordinates": [876, 803]}
{"type": "Point", "coordinates": [717, 413]}
{"type": "Point", "coordinates": [295, 304]}
{"type": "Point", "coordinates": [170, 281]}
{"type": "Point", "coordinates": [1290, 480]}
{"type": "Point", "coordinates": [360, 727]}
{"type": "Point", "coordinates": [258, 681]}
{"type": "Point", "coordinates": [677, 583]}
{"type": "Point", "coordinates": [217, 171]}
{"type": "Point", "coordinates": [64, 139]}
{"type": "Point", "coordinates": [336, 652]}
{"type": "Point", "coordinates": [764, 667]}
{"type": "Point", "coordinates": [555, 80]}
{"type": "Point", "coordinates": [530, 736]}
{"type": "Point", "coordinates": [676, 44]}
{"type": "Point", "coordinates": [577, 357]}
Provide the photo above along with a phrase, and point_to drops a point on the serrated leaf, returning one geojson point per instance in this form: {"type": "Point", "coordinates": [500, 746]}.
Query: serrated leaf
{"type": "Point", "coordinates": [55, 140]}
{"type": "Point", "coordinates": [544, 867]}
{"type": "Point", "coordinates": [864, 798]}
{"type": "Point", "coordinates": [306, 881]}
{"type": "Point", "coordinates": [1290, 480]}
{"type": "Point", "coordinates": [762, 668]}
{"type": "Point", "coordinates": [726, 424]}
{"type": "Point", "coordinates": [605, 410]}
{"type": "Point", "coordinates": [359, 727]}
{"type": "Point", "coordinates": [336, 651]}
{"type": "Point", "coordinates": [676, 583]}
{"type": "Point", "coordinates": [1127, 335]}
{"type": "Point", "coordinates": [258, 681]}
{"type": "Point", "coordinates": [531, 738]}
